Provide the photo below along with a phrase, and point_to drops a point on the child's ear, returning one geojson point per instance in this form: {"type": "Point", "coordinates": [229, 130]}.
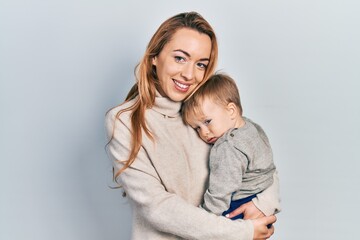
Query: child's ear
{"type": "Point", "coordinates": [232, 110]}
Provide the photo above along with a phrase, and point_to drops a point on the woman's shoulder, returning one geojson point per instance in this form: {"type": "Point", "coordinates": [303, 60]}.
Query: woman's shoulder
{"type": "Point", "coordinates": [112, 112]}
{"type": "Point", "coordinates": [119, 113]}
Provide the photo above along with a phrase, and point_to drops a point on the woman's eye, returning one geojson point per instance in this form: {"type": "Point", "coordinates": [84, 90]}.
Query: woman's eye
{"type": "Point", "coordinates": [202, 65]}
{"type": "Point", "coordinates": [206, 122]}
{"type": "Point", "coordinates": [179, 59]}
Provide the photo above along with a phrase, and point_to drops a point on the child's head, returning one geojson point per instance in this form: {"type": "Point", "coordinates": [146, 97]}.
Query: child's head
{"type": "Point", "coordinates": [214, 108]}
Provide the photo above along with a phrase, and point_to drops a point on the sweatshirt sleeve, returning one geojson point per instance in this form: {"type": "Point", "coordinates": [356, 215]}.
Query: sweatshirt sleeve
{"type": "Point", "coordinates": [160, 209]}
{"type": "Point", "coordinates": [227, 167]}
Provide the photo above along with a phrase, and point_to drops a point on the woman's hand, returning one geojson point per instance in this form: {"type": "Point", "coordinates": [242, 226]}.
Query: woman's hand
{"type": "Point", "coordinates": [249, 210]}
{"type": "Point", "coordinates": [263, 227]}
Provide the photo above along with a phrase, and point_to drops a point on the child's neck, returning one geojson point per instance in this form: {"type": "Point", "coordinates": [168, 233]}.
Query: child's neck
{"type": "Point", "coordinates": [239, 122]}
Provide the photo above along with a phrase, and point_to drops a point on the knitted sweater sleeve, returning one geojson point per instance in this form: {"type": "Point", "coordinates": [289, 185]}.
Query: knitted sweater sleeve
{"type": "Point", "coordinates": [160, 209]}
{"type": "Point", "coordinates": [268, 201]}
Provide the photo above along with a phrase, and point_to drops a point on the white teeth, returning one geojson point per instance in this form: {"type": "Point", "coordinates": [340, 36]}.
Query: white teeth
{"type": "Point", "coordinates": [183, 86]}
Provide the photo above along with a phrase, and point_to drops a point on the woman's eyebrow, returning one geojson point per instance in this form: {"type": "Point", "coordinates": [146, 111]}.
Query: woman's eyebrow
{"type": "Point", "coordinates": [188, 54]}
{"type": "Point", "coordinates": [184, 52]}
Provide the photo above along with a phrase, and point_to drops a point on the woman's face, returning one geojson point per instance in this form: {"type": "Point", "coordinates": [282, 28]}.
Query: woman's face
{"type": "Point", "coordinates": [182, 63]}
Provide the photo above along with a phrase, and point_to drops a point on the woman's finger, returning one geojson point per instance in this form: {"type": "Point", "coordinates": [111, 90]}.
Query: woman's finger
{"type": "Point", "coordinates": [270, 219]}
{"type": "Point", "coordinates": [236, 212]}
{"type": "Point", "coordinates": [271, 231]}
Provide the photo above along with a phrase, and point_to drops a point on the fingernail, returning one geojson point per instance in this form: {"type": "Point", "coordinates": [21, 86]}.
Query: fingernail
{"type": "Point", "coordinates": [227, 215]}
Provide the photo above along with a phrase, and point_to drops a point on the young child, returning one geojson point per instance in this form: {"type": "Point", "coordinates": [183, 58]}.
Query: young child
{"type": "Point", "coordinates": [241, 160]}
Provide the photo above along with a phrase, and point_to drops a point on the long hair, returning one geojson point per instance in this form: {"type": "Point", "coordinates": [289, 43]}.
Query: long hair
{"type": "Point", "coordinates": [144, 89]}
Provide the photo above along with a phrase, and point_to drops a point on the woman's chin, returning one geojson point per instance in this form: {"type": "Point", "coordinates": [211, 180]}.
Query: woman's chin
{"type": "Point", "coordinates": [178, 96]}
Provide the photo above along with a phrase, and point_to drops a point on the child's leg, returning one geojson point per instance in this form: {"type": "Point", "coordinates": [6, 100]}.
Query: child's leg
{"type": "Point", "coordinates": [236, 204]}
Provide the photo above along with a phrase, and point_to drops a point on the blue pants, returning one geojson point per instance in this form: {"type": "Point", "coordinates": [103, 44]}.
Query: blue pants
{"type": "Point", "coordinates": [237, 203]}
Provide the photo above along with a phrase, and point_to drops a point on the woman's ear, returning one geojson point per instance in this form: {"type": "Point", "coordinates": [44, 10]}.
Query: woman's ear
{"type": "Point", "coordinates": [154, 61]}
{"type": "Point", "coordinates": [232, 110]}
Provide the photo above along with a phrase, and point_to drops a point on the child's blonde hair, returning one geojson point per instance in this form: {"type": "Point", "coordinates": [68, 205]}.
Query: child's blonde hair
{"type": "Point", "coordinates": [219, 88]}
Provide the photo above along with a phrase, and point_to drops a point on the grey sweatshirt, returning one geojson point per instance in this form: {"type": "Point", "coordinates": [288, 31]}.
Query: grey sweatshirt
{"type": "Point", "coordinates": [241, 164]}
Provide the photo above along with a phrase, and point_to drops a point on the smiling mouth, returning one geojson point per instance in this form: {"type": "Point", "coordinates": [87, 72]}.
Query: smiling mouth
{"type": "Point", "coordinates": [182, 87]}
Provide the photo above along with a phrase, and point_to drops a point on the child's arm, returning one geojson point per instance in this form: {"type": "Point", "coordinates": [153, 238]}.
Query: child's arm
{"type": "Point", "coordinates": [226, 171]}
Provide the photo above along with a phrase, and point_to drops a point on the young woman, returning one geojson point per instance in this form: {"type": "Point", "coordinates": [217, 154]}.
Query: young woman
{"type": "Point", "coordinates": [158, 160]}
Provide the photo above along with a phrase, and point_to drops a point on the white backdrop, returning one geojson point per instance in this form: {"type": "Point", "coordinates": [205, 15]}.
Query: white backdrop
{"type": "Point", "coordinates": [64, 63]}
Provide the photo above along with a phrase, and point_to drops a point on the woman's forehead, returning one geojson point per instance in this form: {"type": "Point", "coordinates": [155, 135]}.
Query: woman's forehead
{"type": "Point", "coordinates": [191, 42]}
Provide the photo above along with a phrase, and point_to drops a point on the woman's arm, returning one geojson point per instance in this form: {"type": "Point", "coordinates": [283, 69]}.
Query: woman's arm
{"type": "Point", "coordinates": [266, 203]}
{"type": "Point", "coordinates": [169, 213]}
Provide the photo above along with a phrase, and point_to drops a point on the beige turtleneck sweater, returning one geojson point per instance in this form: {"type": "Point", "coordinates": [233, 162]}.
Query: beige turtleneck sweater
{"type": "Point", "coordinates": [166, 183]}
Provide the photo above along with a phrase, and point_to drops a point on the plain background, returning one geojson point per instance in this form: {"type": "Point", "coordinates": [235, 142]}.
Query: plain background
{"type": "Point", "coordinates": [64, 63]}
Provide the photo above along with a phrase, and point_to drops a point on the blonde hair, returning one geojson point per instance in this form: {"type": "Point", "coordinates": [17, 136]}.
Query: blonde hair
{"type": "Point", "coordinates": [219, 88]}
{"type": "Point", "coordinates": [146, 78]}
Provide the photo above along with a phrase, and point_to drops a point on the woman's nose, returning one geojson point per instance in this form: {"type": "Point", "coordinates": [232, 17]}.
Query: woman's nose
{"type": "Point", "coordinates": [188, 72]}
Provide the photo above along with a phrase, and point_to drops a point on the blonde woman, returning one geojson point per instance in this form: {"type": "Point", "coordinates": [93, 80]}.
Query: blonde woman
{"type": "Point", "coordinates": [160, 162]}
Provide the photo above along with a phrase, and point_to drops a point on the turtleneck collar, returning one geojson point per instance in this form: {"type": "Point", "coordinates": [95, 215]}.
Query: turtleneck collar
{"type": "Point", "coordinates": [166, 106]}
